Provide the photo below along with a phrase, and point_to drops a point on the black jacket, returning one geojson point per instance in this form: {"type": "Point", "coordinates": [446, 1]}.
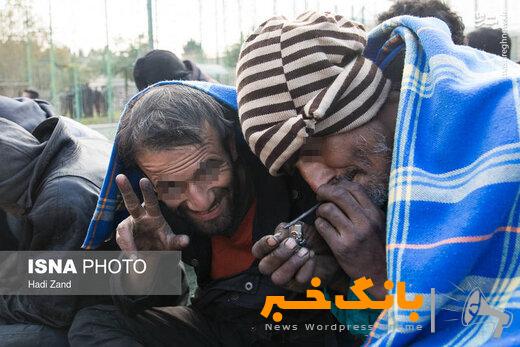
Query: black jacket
{"type": "Point", "coordinates": [25, 112]}
{"type": "Point", "coordinates": [49, 184]}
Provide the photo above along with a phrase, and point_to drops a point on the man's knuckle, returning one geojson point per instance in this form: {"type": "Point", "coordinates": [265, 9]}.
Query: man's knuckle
{"type": "Point", "coordinates": [122, 242]}
{"type": "Point", "coordinates": [326, 208]}
{"type": "Point", "coordinates": [301, 279]}
{"type": "Point", "coordinates": [281, 252]}
{"type": "Point", "coordinates": [356, 187]}
{"type": "Point", "coordinates": [339, 193]}
{"type": "Point", "coordinates": [295, 263]}
{"type": "Point", "coordinates": [255, 251]}
{"type": "Point", "coordinates": [365, 226]}
{"type": "Point", "coordinates": [346, 247]}
{"type": "Point", "coordinates": [373, 225]}
{"type": "Point", "coordinates": [258, 250]}
{"type": "Point", "coordinates": [360, 237]}
{"type": "Point", "coordinates": [264, 268]}
{"type": "Point", "coordinates": [278, 278]}
{"type": "Point", "coordinates": [152, 202]}
{"type": "Point", "coordinates": [280, 226]}
{"type": "Point", "coordinates": [121, 229]}
{"type": "Point", "coordinates": [323, 189]}
{"type": "Point", "coordinates": [320, 223]}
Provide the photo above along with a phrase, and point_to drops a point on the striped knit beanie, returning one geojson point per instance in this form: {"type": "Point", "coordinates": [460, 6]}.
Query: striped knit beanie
{"type": "Point", "coordinates": [304, 78]}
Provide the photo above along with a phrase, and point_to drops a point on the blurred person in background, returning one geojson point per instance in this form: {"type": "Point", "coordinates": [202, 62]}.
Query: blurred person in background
{"type": "Point", "coordinates": [160, 65]}
{"type": "Point", "coordinates": [31, 94]}
{"type": "Point", "coordinates": [427, 8]}
{"type": "Point", "coordinates": [490, 40]}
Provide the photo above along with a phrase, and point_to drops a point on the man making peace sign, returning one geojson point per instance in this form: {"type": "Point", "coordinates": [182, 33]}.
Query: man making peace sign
{"type": "Point", "coordinates": [205, 193]}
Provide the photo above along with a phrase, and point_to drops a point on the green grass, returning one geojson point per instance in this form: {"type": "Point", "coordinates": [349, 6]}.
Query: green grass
{"type": "Point", "coordinates": [99, 120]}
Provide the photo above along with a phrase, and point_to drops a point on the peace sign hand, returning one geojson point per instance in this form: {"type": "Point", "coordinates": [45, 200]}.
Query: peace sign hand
{"type": "Point", "coordinates": [145, 229]}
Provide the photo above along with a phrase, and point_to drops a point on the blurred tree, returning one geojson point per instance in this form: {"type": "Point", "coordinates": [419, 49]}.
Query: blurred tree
{"type": "Point", "coordinates": [231, 55]}
{"type": "Point", "coordinates": [21, 40]}
{"type": "Point", "coordinates": [123, 62]}
{"type": "Point", "coordinates": [16, 20]}
{"type": "Point", "coordinates": [192, 50]}
{"type": "Point", "coordinates": [24, 52]}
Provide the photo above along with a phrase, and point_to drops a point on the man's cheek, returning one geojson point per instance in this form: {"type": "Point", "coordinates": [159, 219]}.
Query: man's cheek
{"type": "Point", "coordinates": [171, 201]}
{"type": "Point", "coordinates": [225, 179]}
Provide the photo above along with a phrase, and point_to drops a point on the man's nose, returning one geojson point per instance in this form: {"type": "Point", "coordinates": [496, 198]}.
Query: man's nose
{"type": "Point", "coordinates": [199, 198]}
{"type": "Point", "coordinates": [315, 173]}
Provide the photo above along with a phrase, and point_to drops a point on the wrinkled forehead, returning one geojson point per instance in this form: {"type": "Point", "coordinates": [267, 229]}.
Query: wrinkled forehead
{"type": "Point", "coordinates": [176, 164]}
{"type": "Point", "coordinates": [201, 171]}
{"type": "Point", "coordinates": [184, 163]}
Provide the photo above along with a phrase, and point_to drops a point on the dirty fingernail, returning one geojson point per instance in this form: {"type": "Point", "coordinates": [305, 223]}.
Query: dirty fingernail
{"type": "Point", "coordinates": [303, 252]}
{"type": "Point", "coordinates": [290, 243]}
{"type": "Point", "coordinates": [271, 241]}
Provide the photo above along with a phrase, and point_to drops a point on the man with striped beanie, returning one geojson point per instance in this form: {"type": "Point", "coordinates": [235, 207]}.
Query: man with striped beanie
{"type": "Point", "coordinates": [303, 78]}
{"type": "Point", "coordinates": [311, 104]}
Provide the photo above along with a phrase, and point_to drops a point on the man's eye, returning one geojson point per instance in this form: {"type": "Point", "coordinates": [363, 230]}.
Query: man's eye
{"type": "Point", "coordinates": [348, 174]}
{"type": "Point", "coordinates": [210, 169]}
{"type": "Point", "coordinates": [212, 164]}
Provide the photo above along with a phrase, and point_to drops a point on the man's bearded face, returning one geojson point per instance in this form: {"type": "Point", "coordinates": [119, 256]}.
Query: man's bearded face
{"type": "Point", "coordinates": [362, 155]}
{"type": "Point", "coordinates": [195, 182]}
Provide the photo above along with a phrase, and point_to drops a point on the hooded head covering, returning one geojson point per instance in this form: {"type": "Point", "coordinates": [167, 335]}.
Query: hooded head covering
{"type": "Point", "coordinates": [23, 111]}
{"type": "Point", "coordinates": [158, 65]}
{"type": "Point", "coordinates": [20, 153]}
{"type": "Point", "coordinates": [303, 78]}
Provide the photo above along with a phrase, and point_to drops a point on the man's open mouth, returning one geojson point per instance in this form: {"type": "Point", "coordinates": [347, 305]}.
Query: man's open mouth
{"type": "Point", "coordinates": [214, 212]}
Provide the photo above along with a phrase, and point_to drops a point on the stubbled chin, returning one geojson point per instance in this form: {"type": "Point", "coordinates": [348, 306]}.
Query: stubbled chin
{"type": "Point", "coordinates": [217, 226]}
{"type": "Point", "coordinates": [377, 191]}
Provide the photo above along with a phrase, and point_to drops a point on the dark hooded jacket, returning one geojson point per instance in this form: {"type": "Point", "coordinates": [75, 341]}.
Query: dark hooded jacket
{"type": "Point", "coordinates": [49, 184]}
{"type": "Point", "coordinates": [27, 113]}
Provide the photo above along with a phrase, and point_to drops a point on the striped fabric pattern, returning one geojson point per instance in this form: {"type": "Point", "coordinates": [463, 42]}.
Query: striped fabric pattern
{"type": "Point", "coordinates": [304, 78]}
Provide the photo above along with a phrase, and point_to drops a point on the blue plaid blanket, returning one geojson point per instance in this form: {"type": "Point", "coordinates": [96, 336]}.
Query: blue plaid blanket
{"type": "Point", "coordinates": [109, 210]}
{"type": "Point", "coordinates": [453, 220]}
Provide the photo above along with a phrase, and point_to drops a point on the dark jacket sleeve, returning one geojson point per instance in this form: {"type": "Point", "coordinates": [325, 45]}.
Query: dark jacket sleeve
{"type": "Point", "coordinates": [132, 305]}
{"type": "Point", "coordinates": [58, 221]}
{"type": "Point", "coordinates": [62, 213]}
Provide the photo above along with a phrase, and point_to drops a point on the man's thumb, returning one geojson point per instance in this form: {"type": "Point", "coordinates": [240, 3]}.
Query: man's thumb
{"type": "Point", "coordinates": [178, 242]}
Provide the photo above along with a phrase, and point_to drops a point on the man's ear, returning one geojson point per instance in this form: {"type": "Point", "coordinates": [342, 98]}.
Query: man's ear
{"type": "Point", "coordinates": [231, 145]}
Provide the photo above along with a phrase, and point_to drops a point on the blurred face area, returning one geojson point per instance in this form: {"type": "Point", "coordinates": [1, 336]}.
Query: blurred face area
{"type": "Point", "coordinates": [195, 182]}
{"type": "Point", "coordinates": [362, 155]}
